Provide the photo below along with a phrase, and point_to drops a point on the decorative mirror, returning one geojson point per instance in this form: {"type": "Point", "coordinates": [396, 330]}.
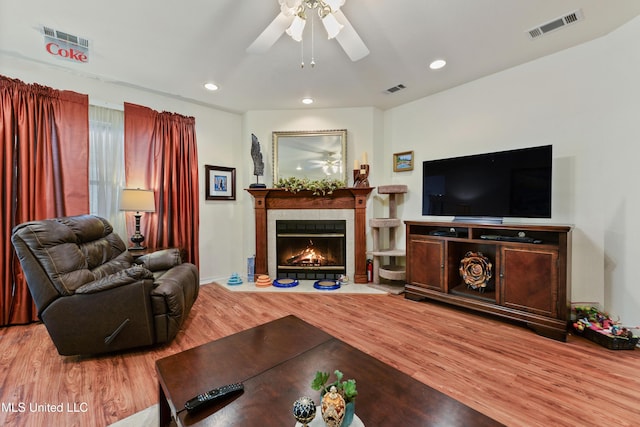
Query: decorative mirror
{"type": "Point", "coordinates": [312, 154]}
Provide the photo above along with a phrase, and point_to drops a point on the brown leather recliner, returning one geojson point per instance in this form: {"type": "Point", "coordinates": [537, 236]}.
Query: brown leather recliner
{"type": "Point", "coordinates": [91, 295]}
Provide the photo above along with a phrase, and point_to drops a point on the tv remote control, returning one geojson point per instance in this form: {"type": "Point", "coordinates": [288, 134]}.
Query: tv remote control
{"type": "Point", "coordinates": [211, 396]}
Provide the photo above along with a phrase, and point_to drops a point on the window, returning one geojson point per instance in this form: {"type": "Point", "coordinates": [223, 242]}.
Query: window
{"type": "Point", "coordinates": [106, 165]}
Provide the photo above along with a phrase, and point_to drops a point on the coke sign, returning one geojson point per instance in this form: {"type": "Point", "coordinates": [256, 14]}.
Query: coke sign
{"type": "Point", "coordinates": [65, 50]}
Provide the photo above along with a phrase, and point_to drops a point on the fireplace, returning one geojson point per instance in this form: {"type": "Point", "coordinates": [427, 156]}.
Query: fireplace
{"type": "Point", "coordinates": [310, 249]}
{"type": "Point", "coordinates": [347, 204]}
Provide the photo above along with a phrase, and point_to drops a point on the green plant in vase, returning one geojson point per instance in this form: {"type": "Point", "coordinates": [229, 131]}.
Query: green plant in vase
{"type": "Point", "coordinates": [347, 389]}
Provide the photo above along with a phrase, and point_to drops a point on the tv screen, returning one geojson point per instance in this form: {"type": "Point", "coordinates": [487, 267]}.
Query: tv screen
{"type": "Point", "coordinates": [514, 183]}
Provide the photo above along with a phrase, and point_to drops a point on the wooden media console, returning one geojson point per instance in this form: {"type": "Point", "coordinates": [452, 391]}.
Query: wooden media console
{"type": "Point", "coordinates": [530, 280]}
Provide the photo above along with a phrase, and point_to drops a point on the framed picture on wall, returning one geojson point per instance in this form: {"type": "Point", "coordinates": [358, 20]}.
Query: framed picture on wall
{"type": "Point", "coordinates": [403, 162]}
{"type": "Point", "coordinates": [220, 183]}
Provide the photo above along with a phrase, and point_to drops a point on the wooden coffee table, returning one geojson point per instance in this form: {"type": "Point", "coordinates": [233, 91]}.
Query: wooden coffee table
{"type": "Point", "coordinates": [276, 362]}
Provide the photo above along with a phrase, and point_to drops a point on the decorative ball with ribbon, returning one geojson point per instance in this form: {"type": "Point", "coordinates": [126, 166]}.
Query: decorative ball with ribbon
{"type": "Point", "coordinates": [475, 270]}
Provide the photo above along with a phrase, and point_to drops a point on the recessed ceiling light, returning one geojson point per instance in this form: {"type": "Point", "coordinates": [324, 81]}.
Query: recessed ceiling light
{"type": "Point", "coordinates": [307, 101]}
{"type": "Point", "coordinates": [211, 86]}
{"type": "Point", "coordinates": [437, 64]}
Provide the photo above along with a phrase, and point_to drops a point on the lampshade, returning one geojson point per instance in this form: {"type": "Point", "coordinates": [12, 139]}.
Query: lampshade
{"type": "Point", "coordinates": [296, 28]}
{"type": "Point", "coordinates": [332, 25]}
{"type": "Point", "coordinates": [137, 200]}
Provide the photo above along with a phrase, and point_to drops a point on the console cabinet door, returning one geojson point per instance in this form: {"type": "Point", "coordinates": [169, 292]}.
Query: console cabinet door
{"type": "Point", "coordinates": [530, 280]}
{"type": "Point", "coordinates": [426, 268]}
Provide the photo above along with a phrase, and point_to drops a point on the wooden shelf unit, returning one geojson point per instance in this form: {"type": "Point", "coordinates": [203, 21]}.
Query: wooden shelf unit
{"type": "Point", "coordinates": [530, 283]}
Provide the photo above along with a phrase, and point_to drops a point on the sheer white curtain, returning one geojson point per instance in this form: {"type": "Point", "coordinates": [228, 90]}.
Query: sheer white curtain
{"type": "Point", "coordinates": [106, 165]}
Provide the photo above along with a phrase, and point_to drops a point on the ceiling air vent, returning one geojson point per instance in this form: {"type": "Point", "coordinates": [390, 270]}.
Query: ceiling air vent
{"type": "Point", "coordinates": [395, 88]}
{"type": "Point", "coordinates": [69, 38]}
{"type": "Point", "coordinates": [555, 24]}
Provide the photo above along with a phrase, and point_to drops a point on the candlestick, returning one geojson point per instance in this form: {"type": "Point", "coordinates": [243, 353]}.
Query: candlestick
{"type": "Point", "coordinates": [361, 176]}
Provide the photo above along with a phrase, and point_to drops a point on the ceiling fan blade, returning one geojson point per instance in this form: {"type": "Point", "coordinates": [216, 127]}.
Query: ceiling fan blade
{"type": "Point", "coordinates": [271, 34]}
{"type": "Point", "coordinates": [349, 39]}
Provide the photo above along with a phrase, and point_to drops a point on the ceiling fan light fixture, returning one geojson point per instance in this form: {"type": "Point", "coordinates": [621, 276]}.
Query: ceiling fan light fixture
{"type": "Point", "coordinates": [297, 27]}
{"type": "Point", "coordinates": [332, 25]}
{"type": "Point", "coordinates": [292, 20]}
{"type": "Point", "coordinates": [290, 7]}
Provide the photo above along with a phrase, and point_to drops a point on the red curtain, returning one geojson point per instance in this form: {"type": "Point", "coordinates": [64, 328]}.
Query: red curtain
{"type": "Point", "coordinates": [44, 159]}
{"type": "Point", "coordinates": [161, 154]}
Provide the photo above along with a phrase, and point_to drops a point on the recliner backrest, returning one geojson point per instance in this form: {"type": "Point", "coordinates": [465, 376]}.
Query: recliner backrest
{"type": "Point", "coordinates": [70, 251]}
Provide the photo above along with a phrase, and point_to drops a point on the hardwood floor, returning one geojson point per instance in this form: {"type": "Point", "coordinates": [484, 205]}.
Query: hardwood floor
{"type": "Point", "coordinates": [504, 371]}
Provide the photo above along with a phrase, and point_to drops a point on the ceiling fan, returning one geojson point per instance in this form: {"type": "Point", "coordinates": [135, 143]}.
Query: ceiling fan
{"type": "Point", "coordinates": [332, 163]}
{"type": "Point", "coordinates": [292, 18]}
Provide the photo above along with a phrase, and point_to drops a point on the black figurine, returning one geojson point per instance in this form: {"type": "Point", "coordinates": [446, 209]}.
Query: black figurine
{"type": "Point", "coordinates": [258, 164]}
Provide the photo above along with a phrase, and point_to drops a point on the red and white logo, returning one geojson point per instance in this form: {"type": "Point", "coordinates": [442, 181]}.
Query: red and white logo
{"type": "Point", "coordinates": [65, 50]}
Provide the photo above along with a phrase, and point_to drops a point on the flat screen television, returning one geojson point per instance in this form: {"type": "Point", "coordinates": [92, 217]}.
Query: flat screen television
{"type": "Point", "coordinates": [491, 186]}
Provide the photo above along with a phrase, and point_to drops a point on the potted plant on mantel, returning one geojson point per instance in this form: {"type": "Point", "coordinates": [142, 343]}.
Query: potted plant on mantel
{"type": "Point", "coordinates": [347, 390]}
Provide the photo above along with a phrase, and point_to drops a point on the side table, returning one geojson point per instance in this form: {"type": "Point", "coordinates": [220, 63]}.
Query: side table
{"type": "Point", "coordinates": [137, 253]}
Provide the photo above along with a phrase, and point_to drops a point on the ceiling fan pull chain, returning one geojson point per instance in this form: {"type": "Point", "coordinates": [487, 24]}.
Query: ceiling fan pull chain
{"type": "Point", "coordinates": [313, 61]}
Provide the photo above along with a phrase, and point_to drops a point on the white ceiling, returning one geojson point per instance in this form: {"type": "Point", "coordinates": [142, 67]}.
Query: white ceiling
{"type": "Point", "coordinates": [175, 47]}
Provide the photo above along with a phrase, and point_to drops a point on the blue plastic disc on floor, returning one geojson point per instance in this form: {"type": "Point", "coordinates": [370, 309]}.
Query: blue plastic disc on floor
{"type": "Point", "coordinates": [326, 285]}
{"type": "Point", "coordinates": [285, 283]}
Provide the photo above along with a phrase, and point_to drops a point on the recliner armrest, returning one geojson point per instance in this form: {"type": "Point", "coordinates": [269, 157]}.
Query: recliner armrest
{"type": "Point", "coordinates": [163, 259]}
{"type": "Point", "coordinates": [122, 277]}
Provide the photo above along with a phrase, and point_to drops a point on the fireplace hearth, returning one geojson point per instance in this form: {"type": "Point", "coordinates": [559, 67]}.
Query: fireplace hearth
{"type": "Point", "coordinates": [310, 249]}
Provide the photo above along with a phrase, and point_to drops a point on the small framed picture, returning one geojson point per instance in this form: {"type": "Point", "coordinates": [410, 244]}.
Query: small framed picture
{"type": "Point", "coordinates": [403, 162]}
{"type": "Point", "coordinates": [220, 183]}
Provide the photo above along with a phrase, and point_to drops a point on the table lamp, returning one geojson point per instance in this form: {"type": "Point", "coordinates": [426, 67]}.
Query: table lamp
{"type": "Point", "coordinates": [137, 200]}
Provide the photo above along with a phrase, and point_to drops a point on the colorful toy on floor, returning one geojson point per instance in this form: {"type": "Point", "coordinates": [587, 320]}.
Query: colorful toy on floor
{"type": "Point", "coordinates": [599, 327]}
{"type": "Point", "coordinates": [235, 279]}
{"type": "Point", "coordinates": [263, 281]}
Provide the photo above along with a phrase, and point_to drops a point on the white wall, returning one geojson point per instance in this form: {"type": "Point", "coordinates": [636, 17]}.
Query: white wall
{"type": "Point", "coordinates": [218, 136]}
{"type": "Point", "coordinates": [584, 101]}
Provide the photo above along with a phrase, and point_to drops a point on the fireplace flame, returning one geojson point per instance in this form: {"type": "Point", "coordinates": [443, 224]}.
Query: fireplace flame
{"type": "Point", "coordinates": [308, 256]}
